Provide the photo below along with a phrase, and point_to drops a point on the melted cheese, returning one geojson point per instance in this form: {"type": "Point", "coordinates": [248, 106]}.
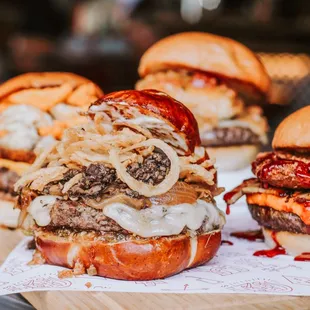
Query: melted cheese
{"type": "Point", "coordinates": [40, 209]}
{"type": "Point", "coordinates": [285, 204]}
{"type": "Point", "coordinates": [8, 215]}
{"type": "Point", "coordinates": [19, 124]}
{"type": "Point", "coordinates": [163, 220]}
{"type": "Point", "coordinates": [150, 222]}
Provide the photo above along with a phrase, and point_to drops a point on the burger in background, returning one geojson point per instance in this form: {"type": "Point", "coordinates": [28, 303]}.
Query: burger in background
{"type": "Point", "coordinates": [131, 189]}
{"type": "Point", "coordinates": [35, 108]}
{"type": "Point", "coordinates": [222, 82]}
{"type": "Point", "coordinates": [279, 196]}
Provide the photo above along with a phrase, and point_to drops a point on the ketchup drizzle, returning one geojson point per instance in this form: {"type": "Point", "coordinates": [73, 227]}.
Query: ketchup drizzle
{"type": "Point", "coordinates": [227, 242]}
{"type": "Point", "coordinates": [277, 250]}
{"type": "Point", "coordinates": [302, 170]}
{"type": "Point", "coordinates": [250, 235]}
{"type": "Point", "coordinates": [303, 257]}
{"type": "Point", "coordinates": [226, 198]}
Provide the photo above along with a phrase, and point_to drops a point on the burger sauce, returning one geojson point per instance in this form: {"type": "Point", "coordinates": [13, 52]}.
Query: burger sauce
{"type": "Point", "coordinates": [302, 169]}
{"type": "Point", "coordinates": [277, 250]}
{"type": "Point", "coordinates": [303, 257]}
{"type": "Point", "coordinates": [250, 235]}
{"type": "Point", "coordinates": [226, 242]}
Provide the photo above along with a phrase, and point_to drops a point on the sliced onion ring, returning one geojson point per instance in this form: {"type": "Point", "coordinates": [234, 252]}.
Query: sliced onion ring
{"type": "Point", "coordinates": [142, 188]}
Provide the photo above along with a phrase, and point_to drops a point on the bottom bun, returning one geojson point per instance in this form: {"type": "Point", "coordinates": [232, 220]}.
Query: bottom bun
{"type": "Point", "coordinates": [230, 158]}
{"type": "Point", "coordinates": [294, 244]}
{"type": "Point", "coordinates": [138, 259]}
{"type": "Point", "coordinates": [8, 215]}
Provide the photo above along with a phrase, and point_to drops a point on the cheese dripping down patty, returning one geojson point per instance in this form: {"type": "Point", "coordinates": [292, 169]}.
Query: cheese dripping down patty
{"type": "Point", "coordinates": [157, 220]}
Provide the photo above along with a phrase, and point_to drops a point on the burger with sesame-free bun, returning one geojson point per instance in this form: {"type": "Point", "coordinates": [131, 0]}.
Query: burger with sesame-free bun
{"type": "Point", "coordinates": [279, 196]}
{"type": "Point", "coordinates": [129, 195]}
{"type": "Point", "coordinates": [35, 108]}
{"type": "Point", "coordinates": [222, 82]}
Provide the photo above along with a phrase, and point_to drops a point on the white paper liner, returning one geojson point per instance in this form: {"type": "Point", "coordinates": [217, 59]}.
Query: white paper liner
{"type": "Point", "coordinates": [233, 270]}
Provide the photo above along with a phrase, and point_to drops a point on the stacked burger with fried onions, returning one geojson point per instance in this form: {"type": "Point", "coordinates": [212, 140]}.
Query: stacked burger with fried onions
{"type": "Point", "coordinates": [130, 195]}
{"type": "Point", "coordinates": [35, 108]}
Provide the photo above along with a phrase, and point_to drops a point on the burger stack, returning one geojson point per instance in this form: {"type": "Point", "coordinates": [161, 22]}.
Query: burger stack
{"type": "Point", "coordinates": [222, 82]}
{"type": "Point", "coordinates": [35, 108]}
{"type": "Point", "coordinates": [129, 195]}
{"type": "Point", "coordinates": [279, 196]}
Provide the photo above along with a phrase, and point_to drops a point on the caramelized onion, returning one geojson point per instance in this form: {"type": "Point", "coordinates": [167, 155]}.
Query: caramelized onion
{"type": "Point", "coordinates": [120, 198]}
{"type": "Point", "coordinates": [180, 193]}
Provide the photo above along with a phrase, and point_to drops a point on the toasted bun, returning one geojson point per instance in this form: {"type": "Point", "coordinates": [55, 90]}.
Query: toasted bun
{"type": "Point", "coordinates": [37, 80]}
{"type": "Point", "coordinates": [233, 157]}
{"type": "Point", "coordinates": [8, 215]}
{"type": "Point", "coordinates": [146, 259]}
{"type": "Point", "coordinates": [210, 53]}
{"type": "Point", "coordinates": [155, 111]}
{"type": "Point", "coordinates": [294, 131]}
{"type": "Point", "coordinates": [294, 244]}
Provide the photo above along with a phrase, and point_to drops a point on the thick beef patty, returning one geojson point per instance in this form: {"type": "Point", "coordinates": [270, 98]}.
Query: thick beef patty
{"type": "Point", "coordinates": [278, 221]}
{"type": "Point", "coordinates": [229, 136]}
{"type": "Point", "coordinates": [282, 170]}
{"type": "Point", "coordinates": [99, 179]}
{"type": "Point", "coordinates": [69, 214]}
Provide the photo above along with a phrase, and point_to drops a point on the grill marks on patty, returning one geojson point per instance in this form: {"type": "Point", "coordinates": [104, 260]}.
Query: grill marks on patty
{"type": "Point", "coordinates": [278, 220]}
{"type": "Point", "coordinates": [101, 180]}
{"type": "Point", "coordinates": [7, 180]}
{"type": "Point", "coordinates": [229, 136]}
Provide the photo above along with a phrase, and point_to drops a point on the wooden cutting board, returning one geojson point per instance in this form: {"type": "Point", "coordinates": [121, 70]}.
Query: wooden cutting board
{"type": "Point", "coordinates": [117, 301]}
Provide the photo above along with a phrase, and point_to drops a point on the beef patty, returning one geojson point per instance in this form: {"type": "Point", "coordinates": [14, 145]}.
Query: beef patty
{"type": "Point", "coordinates": [283, 170]}
{"type": "Point", "coordinates": [75, 215]}
{"type": "Point", "coordinates": [7, 180]}
{"type": "Point", "coordinates": [99, 179]}
{"type": "Point", "coordinates": [229, 136]}
{"type": "Point", "coordinates": [278, 220]}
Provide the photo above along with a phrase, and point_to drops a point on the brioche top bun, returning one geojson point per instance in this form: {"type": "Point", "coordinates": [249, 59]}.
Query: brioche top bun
{"type": "Point", "coordinates": [40, 80]}
{"type": "Point", "coordinates": [220, 56]}
{"type": "Point", "coordinates": [294, 131]}
{"type": "Point", "coordinates": [183, 127]}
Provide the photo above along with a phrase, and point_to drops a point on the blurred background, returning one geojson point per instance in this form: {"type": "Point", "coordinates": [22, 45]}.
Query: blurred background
{"type": "Point", "coordinates": [104, 39]}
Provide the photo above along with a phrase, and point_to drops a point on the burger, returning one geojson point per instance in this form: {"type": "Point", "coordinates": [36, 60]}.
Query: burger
{"type": "Point", "coordinates": [34, 110]}
{"type": "Point", "coordinates": [128, 195]}
{"type": "Point", "coordinates": [279, 196]}
{"type": "Point", "coordinates": [222, 82]}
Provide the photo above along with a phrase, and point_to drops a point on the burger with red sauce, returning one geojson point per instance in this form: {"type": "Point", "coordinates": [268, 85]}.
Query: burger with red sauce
{"type": "Point", "coordinates": [222, 82]}
{"type": "Point", "coordinates": [279, 196]}
{"type": "Point", "coordinates": [129, 195]}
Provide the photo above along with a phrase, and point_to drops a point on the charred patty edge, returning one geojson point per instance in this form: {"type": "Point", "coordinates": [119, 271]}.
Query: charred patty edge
{"type": "Point", "coordinates": [278, 220]}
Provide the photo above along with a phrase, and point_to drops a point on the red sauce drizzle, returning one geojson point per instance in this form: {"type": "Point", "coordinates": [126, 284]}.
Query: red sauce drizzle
{"type": "Point", "coordinates": [226, 198]}
{"type": "Point", "coordinates": [251, 235]}
{"type": "Point", "coordinates": [302, 169]}
{"type": "Point", "coordinates": [303, 257]}
{"type": "Point", "coordinates": [227, 242]}
{"type": "Point", "coordinates": [277, 250]}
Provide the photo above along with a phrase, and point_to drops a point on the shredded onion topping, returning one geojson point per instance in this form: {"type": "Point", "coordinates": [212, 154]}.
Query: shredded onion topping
{"type": "Point", "coordinates": [117, 147]}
